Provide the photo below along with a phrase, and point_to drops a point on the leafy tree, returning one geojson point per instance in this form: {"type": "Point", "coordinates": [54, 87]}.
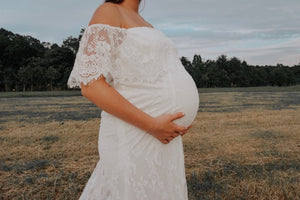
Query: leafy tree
{"type": "Point", "coordinates": [24, 75]}
{"type": "Point", "coordinates": [187, 65]}
{"type": "Point", "coordinates": [234, 71]}
{"type": "Point", "coordinates": [51, 75]}
{"type": "Point", "coordinates": [1, 75]}
{"type": "Point", "coordinates": [32, 74]}
{"type": "Point", "coordinates": [27, 63]}
{"type": "Point", "coordinates": [62, 59]}
{"type": "Point", "coordinates": [295, 70]}
{"type": "Point", "coordinates": [71, 43]}
{"type": "Point", "coordinates": [199, 71]}
{"type": "Point", "coordinates": [222, 72]}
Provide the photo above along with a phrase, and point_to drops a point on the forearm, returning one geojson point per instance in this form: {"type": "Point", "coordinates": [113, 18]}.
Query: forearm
{"type": "Point", "coordinates": [111, 101]}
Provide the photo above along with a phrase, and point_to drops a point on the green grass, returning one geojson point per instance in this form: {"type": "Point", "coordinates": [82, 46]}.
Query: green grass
{"type": "Point", "coordinates": [201, 90]}
{"type": "Point", "coordinates": [252, 89]}
{"type": "Point", "coordinates": [41, 94]}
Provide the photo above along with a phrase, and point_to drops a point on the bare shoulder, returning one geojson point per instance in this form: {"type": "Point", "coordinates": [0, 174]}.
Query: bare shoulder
{"type": "Point", "coordinates": [107, 13]}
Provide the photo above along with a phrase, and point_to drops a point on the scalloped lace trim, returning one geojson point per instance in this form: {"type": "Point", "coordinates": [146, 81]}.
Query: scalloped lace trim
{"type": "Point", "coordinates": [94, 57]}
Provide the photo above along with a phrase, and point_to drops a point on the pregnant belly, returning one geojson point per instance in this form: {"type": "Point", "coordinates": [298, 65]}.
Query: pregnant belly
{"type": "Point", "coordinates": [186, 96]}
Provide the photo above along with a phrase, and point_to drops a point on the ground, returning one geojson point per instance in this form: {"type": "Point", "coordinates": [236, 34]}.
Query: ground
{"type": "Point", "coordinates": [244, 144]}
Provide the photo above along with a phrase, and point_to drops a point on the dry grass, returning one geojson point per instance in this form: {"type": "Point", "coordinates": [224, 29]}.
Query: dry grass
{"type": "Point", "coordinates": [243, 145]}
{"type": "Point", "coordinates": [252, 154]}
{"type": "Point", "coordinates": [48, 161]}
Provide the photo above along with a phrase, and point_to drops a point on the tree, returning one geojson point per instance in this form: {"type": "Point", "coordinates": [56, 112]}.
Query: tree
{"type": "Point", "coordinates": [32, 74]}
{"type": "Point", "coordinates": [1, 75]}
{"type": "Point", "coordinates": [27, 63]}
{"type": "Point", "coordinates": [234, 71]}
{"type": "Point", "coordinates": [62, 59]}
{"type": "Point", "coordinates": [51, 75]}
{"type": "Point", "coordinates": [295, 70]}
{"type": "Point", "coordinates": [24, 74]}
{"type": "Point", "coordinates": [221, 71]}
{"type": "Point", "coordinates": [187, 64]}
{"type": "Point", "coordinates": [71, 43]}
{"type": "Point", "coordinates": [15, 51]}
{"type": "Point", "coordinates": [198, 71]}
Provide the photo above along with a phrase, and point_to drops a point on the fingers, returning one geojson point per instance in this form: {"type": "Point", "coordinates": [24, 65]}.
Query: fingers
{"type": "Point", "coordinates": [171, 130]}
{"type": "Point", "coordinates": [184, 133]}
{"type": "Point", "coordinates": [165, 141]}
{"type": "Point", "coordinates": [180, 129]}
{"type": "Point", "coordinates": [177, 116]}
{"type": "Point", "coordinates": [186, 130]}
{"type": "Point", "coordinates": [183, 130]}
{"type": "Point", "coordinates": [169, 139]}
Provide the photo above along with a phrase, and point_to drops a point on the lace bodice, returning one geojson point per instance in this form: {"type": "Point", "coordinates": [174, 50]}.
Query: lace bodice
{"type": "Point", "coordinates": [121, 55]}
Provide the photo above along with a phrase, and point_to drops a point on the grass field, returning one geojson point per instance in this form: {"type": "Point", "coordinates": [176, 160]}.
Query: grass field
{"type": "Point", "coordinates": [244, 144]}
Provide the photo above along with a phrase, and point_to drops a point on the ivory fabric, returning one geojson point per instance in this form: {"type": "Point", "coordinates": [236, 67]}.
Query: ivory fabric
{"type": "Point", "coordinates": [142, 64]}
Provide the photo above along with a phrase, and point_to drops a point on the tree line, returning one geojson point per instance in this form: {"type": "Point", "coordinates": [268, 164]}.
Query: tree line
{"type": "Point", "coordinates": [27, 64]}
{"type": "Point", "coordinates": [225, 72]}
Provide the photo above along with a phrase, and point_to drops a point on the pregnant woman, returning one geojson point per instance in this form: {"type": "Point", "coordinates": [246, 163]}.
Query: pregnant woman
{"type": "Point", "coordinates": [133, 73]}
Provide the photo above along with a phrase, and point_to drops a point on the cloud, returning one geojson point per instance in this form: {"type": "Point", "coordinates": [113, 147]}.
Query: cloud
{"type": "Point", "coordinates": [257, 52]}
{"type": "Point", "coordinates": [257, 31]}
{"type": "Point", "coordinates": [50, 21]}
{"type": "Point", "coordinates": [261, 32]}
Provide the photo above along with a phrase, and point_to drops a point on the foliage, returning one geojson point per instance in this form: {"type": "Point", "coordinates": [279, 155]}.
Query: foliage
{"type": "Point", "coordinates": [27, 64]}
{"type": "Point", "coordinates": [233, 72]}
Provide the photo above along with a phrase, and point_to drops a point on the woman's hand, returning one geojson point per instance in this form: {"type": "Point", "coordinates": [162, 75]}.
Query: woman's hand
{"type": "Point", "coordinates": [110, 100]}
{"type": "Point", "coordinates": [165, 130]}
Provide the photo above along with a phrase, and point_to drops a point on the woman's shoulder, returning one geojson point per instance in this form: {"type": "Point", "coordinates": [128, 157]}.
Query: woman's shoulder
{"type": "Point", "coordinates": [107, 13]}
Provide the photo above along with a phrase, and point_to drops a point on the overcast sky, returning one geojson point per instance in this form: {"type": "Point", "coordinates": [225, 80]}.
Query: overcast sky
{"type": "Point", "coordinates": [258, 31]}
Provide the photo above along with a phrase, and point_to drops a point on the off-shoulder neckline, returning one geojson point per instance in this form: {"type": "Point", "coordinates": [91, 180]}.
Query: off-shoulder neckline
{"type": "Point", "coordinates": [125, 29]}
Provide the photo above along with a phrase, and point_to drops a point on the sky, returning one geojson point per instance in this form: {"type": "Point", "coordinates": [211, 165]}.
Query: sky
{"type": "Point", "coordinates": [261, 32]}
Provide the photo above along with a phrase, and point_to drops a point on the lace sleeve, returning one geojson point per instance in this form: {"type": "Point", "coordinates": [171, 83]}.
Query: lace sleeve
{"type": "Point", "coordinates": [94, 56]}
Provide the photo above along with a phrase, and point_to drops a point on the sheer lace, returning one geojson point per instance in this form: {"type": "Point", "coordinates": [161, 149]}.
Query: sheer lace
{"type": "Point", "coordinates": [94, 57]}
{"type": "Point", "coordinates": [142, 64]}
{"type": "Point", "coordinates": [121, 55]}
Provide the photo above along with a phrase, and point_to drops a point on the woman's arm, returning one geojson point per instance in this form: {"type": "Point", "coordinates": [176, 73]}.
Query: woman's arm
{"type": "Point", "coordinates": [108, 99]}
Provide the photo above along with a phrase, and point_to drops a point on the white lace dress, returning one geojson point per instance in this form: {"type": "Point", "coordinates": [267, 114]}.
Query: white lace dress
{"type": "Point", "coordinates": [142, 64]}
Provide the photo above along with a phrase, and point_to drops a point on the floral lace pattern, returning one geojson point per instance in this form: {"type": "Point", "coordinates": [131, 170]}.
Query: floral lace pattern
{"type": "Point", "coordinates": [94, 56]}
{"type": "Point", "coordinates": [120, 57]}
{"type": "Point", "coordinates": [138, 63]}
{"type": "Point", "coordinates": [143, 169]}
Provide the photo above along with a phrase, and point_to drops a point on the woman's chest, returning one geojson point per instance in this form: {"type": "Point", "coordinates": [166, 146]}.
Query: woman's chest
{"type": "Point", "coordinates": [145, 54]}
